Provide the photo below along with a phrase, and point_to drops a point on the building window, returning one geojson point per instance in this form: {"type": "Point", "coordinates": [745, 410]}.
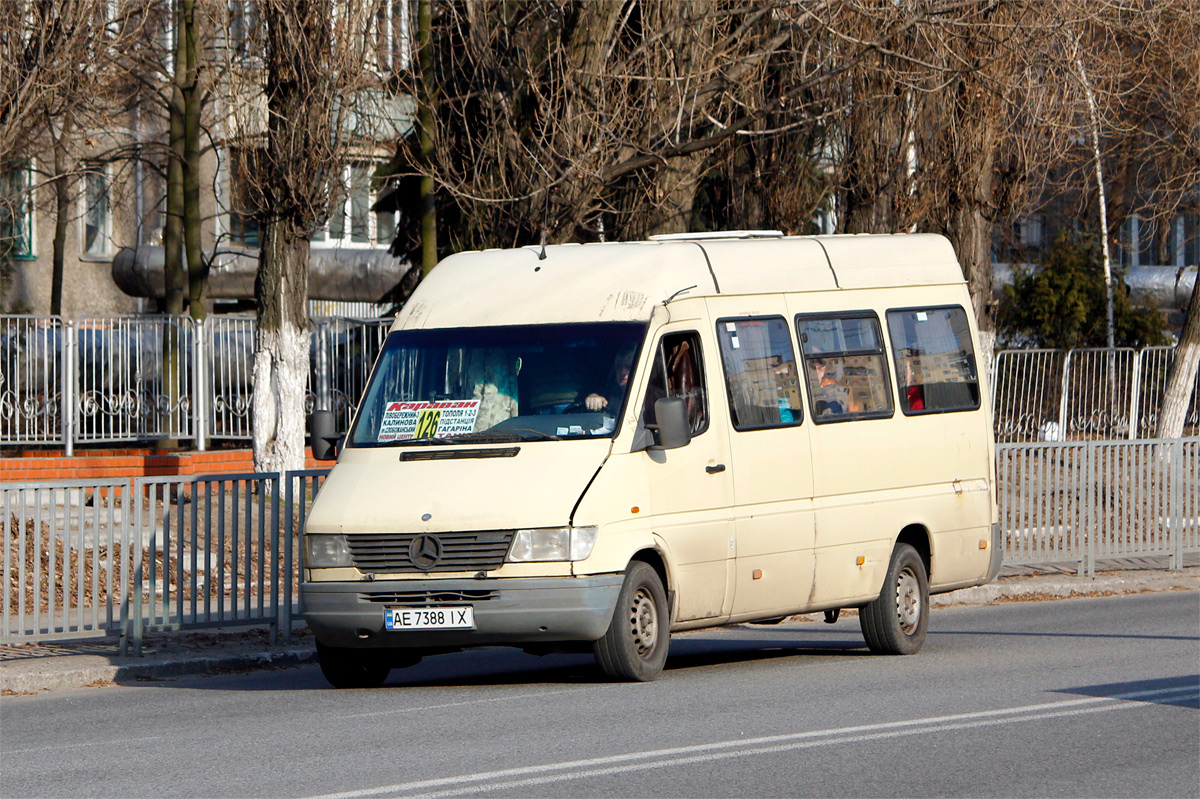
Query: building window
{"type": "Point", "coordinates": [351, 221]}
{"type": "Point", "coordinates": [97, 213]}
{"type": "Point", "coordinates": [760, 372]}
{"type": "Point", "coordinates": [846, 367]}
{"type": "Point", "coordinates": [393, 36]}
{"type": "Point", "coordinates": [244, 163]}
{"type": "Point", "coordinates": [1030, 231]}
{"type": "Point", "coordinates": [16, 211]}
{"type": "Point", "coordinates": [935, 362]}
{"type": "Point", "coordinates": [243, 17]}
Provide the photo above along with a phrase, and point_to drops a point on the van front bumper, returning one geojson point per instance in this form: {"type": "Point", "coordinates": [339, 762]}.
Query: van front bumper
{"type": "Point", "coordinates": [507, 611]}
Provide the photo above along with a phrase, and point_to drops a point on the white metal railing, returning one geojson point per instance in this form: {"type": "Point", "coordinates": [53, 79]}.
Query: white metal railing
{"type": "Point", "coordinates": [1082, 394]}
{"type": "Point", "coordinates": [1083, 502]}
{"type": "Point", "coordinates": [143, 378]}
{"type": "Point", "coordinates": [124, 557]}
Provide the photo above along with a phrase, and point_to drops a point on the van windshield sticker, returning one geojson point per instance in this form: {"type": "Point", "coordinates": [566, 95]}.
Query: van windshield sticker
{"type": "Point", "coordinates": [403, 420]}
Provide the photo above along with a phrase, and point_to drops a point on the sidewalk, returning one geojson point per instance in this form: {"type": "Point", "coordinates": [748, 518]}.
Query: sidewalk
{"type": "Point", "coordinates": [65, 665]}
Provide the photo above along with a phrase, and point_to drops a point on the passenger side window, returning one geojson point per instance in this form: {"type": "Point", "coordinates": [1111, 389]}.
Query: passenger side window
{"type": "Point", "coordinates": [760, 372]}
{"type": "Point", "coordinates": [935, 361]}
{"type": "Point", "coordinates": [678, 371]}
{"type": "Point", "coordinates": [845, 366]}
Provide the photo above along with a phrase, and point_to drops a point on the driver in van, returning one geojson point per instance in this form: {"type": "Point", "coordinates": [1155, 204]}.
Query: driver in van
{"type": "Point", "coordinates": [618, 383]}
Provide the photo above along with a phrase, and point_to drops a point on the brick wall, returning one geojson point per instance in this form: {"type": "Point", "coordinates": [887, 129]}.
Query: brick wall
{"type": "Point", "coordinates": [40, 466]}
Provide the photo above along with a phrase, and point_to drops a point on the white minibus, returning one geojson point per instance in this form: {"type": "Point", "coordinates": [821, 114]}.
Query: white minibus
{"type": "Point", "coordinates": [594, 446]}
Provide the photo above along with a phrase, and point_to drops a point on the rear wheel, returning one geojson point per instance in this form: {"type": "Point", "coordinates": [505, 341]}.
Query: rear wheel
{"type": "Point", "coordinates": [352, 668]}
{"type": "Point", "coordinates": [635, 647]}
{"type": "Point", "coordinates": [895, 623]}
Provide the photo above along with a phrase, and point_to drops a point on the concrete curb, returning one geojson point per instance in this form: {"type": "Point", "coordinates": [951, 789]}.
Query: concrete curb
{"type": "Point", "coordinates": [23, 678]}
{"type": "Point", "coordinates": [1065, 586]}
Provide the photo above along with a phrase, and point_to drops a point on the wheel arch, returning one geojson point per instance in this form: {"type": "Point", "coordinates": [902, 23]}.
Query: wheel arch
{"type": "Point", "coordinates": [655, 560]}
{"type": "Point", "coordinates": [917, 537]}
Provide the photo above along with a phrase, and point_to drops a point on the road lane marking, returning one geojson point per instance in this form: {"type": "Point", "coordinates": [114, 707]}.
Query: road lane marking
{"type": "Point", "coordinates": [526, 776]}
{"type": "Point", "coordinates": [85, 744]}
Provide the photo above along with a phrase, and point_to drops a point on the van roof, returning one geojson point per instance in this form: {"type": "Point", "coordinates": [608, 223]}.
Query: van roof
{"type": "Point", "coordinates": [623, 281]}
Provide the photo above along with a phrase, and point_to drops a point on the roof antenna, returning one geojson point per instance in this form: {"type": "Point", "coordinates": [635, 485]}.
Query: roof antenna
{"type": "Point", "coordinates": [545, 222]}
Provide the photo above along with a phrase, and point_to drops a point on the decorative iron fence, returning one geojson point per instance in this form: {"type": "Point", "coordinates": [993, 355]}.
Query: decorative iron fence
{"type": "Point", "coordinates": [1083, 394]}
{"type": "Point", "coordinates": [143, 378]}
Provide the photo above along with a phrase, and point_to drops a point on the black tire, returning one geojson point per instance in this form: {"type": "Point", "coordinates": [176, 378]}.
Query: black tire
{"type": "Point", "coordinates": [635, 647]}
{"type": "Point", "coordinates": [895, 623]}
{"type": "Point", "coordinates": [352, 668]}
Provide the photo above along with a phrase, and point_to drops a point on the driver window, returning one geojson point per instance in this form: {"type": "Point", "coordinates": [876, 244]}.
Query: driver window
{"type": "Point", "coordinates": [678, 372]}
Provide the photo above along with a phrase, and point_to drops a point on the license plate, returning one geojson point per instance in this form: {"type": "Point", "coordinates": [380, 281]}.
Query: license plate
{"type": "Point", "coordinates": [459, 618]}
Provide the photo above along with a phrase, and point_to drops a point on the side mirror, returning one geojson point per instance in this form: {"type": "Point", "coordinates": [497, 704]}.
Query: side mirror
{"type": "Point", "coordinates": [324, 435]}
{"type": "Point", "coordinates": [674, 429]}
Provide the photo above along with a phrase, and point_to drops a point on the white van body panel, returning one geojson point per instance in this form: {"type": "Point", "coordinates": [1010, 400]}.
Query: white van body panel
{"type": "Point", "coordinates": [367, 481]}
{"type": "Point", "coordinates": [744, 524]}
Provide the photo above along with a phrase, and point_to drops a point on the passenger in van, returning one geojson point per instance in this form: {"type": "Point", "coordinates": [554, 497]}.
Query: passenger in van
{"type": "Point", "coordinates": [914, 393]}
{"type": "Point", "coordinates": [829, 396]}
{"type": "Point", "coordinates": [613, 392]}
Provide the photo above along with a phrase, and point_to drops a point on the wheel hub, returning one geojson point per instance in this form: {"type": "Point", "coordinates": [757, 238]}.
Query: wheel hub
{"type": "Point", "coordinates": [645, 622]}
{"type": "Point", "coordinates": [908, 601]}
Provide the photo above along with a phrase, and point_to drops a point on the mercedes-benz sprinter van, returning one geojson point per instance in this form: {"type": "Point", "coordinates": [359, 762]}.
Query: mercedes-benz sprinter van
{"type": "Point", "coordinates": [594, 446]}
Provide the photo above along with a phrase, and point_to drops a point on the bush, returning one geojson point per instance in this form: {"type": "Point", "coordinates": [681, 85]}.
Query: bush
{"type": "Point", "coordinates": [1061, 304]}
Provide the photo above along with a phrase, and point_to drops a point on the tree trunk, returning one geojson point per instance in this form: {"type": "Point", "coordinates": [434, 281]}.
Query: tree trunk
{"type": "Point", "coordinates": [197, 268]}
{"type": "Point", "coordinates": [425, 122]}
{"type": "Point", "coordinates": [175, 275]}
{"type": "Point", "coordinates": [62, 214]}
{"type": "Point", "coordinates": [281, 355]}
{"type": "Point", "coordinates": [1182, 378]}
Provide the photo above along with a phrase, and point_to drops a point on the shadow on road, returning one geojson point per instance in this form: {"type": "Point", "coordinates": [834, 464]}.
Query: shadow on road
{"type": "Point", "coordinates": [507, 666]}
{"type": "Point", "coordinates": [1183, 691]}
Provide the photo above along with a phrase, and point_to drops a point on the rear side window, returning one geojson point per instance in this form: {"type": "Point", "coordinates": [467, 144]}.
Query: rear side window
{"type": "Point", "coordinates": [935, 362]}
{"type": "Point", "coordinates": [845, 365]}
{"type": "Point", "coordinates": [760, 372]}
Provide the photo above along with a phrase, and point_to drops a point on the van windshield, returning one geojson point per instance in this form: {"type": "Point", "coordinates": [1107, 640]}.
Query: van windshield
{"type": "Point", "coordinates": [496, 384]}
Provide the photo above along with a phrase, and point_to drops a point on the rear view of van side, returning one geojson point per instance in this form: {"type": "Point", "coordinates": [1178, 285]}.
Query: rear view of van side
{"type": "Point", "coordinates": [594, 446]}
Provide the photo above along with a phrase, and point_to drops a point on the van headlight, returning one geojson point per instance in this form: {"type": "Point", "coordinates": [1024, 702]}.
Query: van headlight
{"type": "Point", "coordinates": [552, 543]}
{"type": "Point", "coordinates": [326, 551]}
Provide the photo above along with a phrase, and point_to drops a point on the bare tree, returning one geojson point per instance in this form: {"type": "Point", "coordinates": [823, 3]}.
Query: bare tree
{"type": "Point", "coordinates": [1142, 70]}
{"type": "Point", "coordinates": [563, 118]}
{"type": "Point", "coordinates": [56, 80]}
{"type": "Point", "coordinates": [315, 54]}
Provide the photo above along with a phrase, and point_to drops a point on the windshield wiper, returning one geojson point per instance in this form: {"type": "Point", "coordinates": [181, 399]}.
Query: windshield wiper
{"type": "Point", "coordinates": [508, 434]}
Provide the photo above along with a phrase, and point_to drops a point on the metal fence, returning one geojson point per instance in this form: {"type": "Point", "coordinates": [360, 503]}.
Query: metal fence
{"type": "Point", "coordinates": [143, 378]}
{"type": "Point", "coordinates": [1083, 394]}
{"type": "Point", "coordinates": [119, 557]}
{"type": "Point", "coordinates": [1083, 502]}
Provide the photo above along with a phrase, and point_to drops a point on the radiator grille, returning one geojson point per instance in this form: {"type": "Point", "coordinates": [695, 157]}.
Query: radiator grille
{"type": "Point", "coordinates": [389, 552]}
{"type": "Point", "coordinates": [434, 598]}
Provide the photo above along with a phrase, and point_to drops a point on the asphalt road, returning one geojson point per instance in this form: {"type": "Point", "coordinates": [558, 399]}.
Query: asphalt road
{"type": "Point", "coordinates": [1086, 697]}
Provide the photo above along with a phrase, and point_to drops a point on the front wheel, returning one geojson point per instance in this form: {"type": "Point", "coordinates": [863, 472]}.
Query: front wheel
{"type": "Point", "coordinates": [352, 668]}
{"type": "Point", "coordinates": [635, 647]}
{"type": "Point", "coordinates": [895, 623]}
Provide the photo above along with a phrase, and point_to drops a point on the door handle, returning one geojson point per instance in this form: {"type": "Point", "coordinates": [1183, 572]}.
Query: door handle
{"type": "Point", "coordinates": [720, 467]}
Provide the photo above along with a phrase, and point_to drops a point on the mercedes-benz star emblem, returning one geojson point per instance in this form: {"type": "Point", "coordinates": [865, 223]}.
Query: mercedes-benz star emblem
{"type": "Point", "coordinates": [425, 552]}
